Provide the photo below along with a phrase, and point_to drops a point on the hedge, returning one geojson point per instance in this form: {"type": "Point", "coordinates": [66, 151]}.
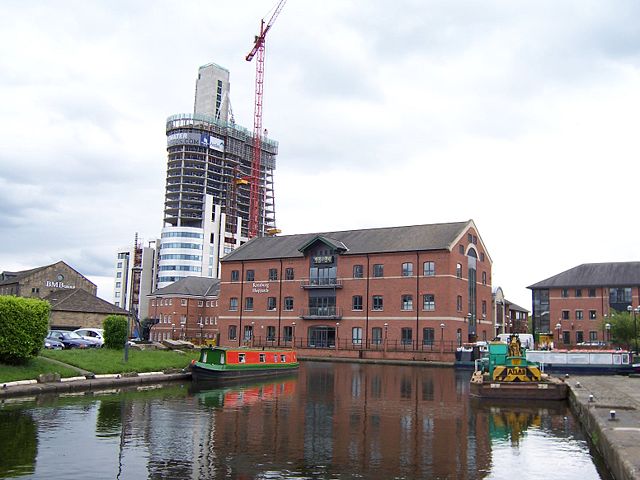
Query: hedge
{"type": "Point", "coordinates": [24, 323]}
{"type": "Point", "coordinates": [115, 331]}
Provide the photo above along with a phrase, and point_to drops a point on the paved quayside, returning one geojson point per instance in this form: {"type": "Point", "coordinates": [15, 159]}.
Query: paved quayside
{"type": "Point", "coordinates": [609, 409]}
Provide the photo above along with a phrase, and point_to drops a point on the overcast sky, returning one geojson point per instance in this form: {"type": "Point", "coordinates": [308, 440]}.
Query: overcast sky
{"type": "Point", "coordinates": [522, 116]}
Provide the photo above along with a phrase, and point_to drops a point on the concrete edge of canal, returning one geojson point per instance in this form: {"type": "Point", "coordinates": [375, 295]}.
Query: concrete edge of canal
{"type": "Point", "coordinates": [608, 407]}
{"type": "Point", "coordinates": [17, 389]}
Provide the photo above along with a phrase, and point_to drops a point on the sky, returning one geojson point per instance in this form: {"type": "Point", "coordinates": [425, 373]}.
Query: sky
{"type": "Point", "coordinates": [522, 116]}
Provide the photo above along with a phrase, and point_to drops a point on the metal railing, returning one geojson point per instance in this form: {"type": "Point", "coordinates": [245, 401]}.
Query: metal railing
{"type": "Point", "coordinates": [332, 313]}
{"type": "Point", "coordinates": [321, 283]}
{"type": "Point", "coordinates": [447, 346]}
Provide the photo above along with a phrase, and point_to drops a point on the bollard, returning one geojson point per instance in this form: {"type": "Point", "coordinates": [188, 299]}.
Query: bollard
{"type": "Point", "coordinates": [612, 414]}
{"type": "Point", "coordinates": [591, 399]}
{"type": "Point", "coordinates": [578, 385]}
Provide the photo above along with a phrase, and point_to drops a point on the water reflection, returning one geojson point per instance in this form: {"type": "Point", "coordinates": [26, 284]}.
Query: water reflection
{"type": "Point", "coordinates": [329, 421]}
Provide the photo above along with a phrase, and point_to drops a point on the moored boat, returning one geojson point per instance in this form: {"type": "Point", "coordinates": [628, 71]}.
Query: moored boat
{"type": "Point", "coordinates": [226, 363]}
{"type": "Point", "coordinates": [586, 362]}
{"type": "Point", "coordinates": [507, 374]}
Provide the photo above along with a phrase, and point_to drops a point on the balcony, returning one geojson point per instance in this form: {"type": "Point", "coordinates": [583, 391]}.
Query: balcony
{"type": "Point", "coordinates": [322, 313]}
{"type": "Point", "coordinates": [310, 283]}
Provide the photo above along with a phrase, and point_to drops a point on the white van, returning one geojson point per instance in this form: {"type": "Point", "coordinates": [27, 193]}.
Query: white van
{"type": "Point", "coordinates": [526, 339]}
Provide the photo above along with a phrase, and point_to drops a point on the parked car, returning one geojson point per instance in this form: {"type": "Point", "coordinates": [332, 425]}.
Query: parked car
{"type": "Point", "coordinates": [71, 339]}
{"type": "Point", "coordinates": [52, 344]}
{"type": "Point", "coordinates": [95, 335]}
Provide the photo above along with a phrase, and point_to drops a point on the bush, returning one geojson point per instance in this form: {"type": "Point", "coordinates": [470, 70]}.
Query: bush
{"type": "Point", "coordinates": [115, 331]}
{"type": "Point", "coordinates": [24, 323]}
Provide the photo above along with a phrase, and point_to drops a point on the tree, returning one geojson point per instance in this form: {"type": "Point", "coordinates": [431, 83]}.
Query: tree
{"type": "Point", "coordinates": [622, 328]}
{"type": "Point", "coordinates": [115, 331]}
{"type": "Point", "coordinates": [24, 323]}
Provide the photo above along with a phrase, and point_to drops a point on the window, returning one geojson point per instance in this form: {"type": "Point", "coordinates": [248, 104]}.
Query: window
{"type": "Point", "coordinates": [287, 333]}
{"type": "Point", "coordinates": [118, 285]}
{"type": "Point", "coordinates": [251, 275]}
{"type": "Point", "coordinates": [484, 307]}
{"type": "Point", "coordinates": [475, 240]}
{"type": "Point", "coordinates": [271, 303]}
{"type": "Point", "coordinates": [459, 303]}
{"type": "Point", "coordinates": [248, 332]}
{"type": "Point", "coordinates": [119, 265]}
{"type": "Point", "coordinates": [271, 333]}
{"type": "Point", "coordinates": [429, 302]}
{"type": "Point", "coordinates": [378, 270]}
{"type": "Point", "coordinates": [592, 292]}
{"type": "Point", "coordinates": [377, 302]}
{"type": "Point", "coordinates": [407, 269]}
{"type": "Point", "coordinates": [484, 278]}
{"type": "Point", "coordinates": [358, 271]}
{"type": "Point", "coordinates": [235, 275]}
{"type": "Point", "coordinates": [564, 293]}
{"type": "Point", "coordinates": [579, 315]}
{"type": "Point", "coordinates": [288, 303]}
{"type": "Point", "coordinates": [117, 294]}
{"type": "Point", "coordinates": [578, 292]}
{"type": "Point", "coordinates": [263, 357]}
{"type": "Point", "coordinates": [233, 304]}
{"type": "Point", "coordinates": [288, 273]}
{"type": "Point", "coordinates": [119, 275]}
{"type": "Point", "coordinates": [565, 314]}
{"type": "Point", "coordinates": [469, 238]}
{"type": "Point", "coordinates": [183, 302]}
{"type": "Point", "coordinates": [482, 256]}
{"type": "Point", "coordinates": [406, 302]}
{"type": "Point", "coordinates": [406, 336]}
{"type": "Point", "coordinates": [376, 336]}
{"type": "Point", "coordinates": [428, 336]}
{"type": "Point", "coordinates": [241, 358]}
{"type": "Point", "coordinates": [356, 302]}
{"type": "Point", "coordinates": [459, 270]}
{"type": "Point", "coordinates": [566, 338]}
{"type": "Point", "coordinates": [592, 314]}
{"type": "Point", "coordinates": [233, 332]}
{"type": "Point", "coordinates": [461, 249]}
{"type": "Point", "coordinates": [273, 274]}
{"type": "Point", "coordinates": [356, 335]}
{"type": "Point", "coordinates": [248, 303]}
{"type": "Point", "coordinates": [429, 269]}
{"type": "Point", "coordinates": [579, 336]}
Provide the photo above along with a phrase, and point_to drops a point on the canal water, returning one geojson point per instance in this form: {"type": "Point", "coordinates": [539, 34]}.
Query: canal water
{"type": "Point", "coordinates": [328, 421]}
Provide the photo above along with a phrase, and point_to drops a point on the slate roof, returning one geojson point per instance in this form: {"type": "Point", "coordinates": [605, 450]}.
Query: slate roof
{"type": "Point", "coordinates": [7, 277]}
{"type": "Point", "coordinates": [191, 286]}
{"type": "Point", "coordinates": [517, 308]}
{"type": "Point", "coordinates": [79, 300]}
{"type": "Point", "coordinates": [614, 274]}
{"type": "Point", "coordinates": [437, 236]}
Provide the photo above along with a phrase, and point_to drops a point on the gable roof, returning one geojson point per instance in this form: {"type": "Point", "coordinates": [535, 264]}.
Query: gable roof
{"type": "Point", "coordinates": [438, 236]}
{"type": "Point", "coordinates": [79, 300]}
{"type": "Point", "coordinates": [612, 274]}
{"type": "Point", "coordinates": [191, 286]}
{"type": "Point", "coordinates": [15, 277]}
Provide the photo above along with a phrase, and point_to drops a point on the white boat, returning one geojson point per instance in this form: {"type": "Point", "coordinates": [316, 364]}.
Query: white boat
{"type": "Point", "coordinates": [584, 361]}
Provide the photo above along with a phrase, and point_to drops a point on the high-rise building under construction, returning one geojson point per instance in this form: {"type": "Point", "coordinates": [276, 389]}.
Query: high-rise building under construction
{"type": "Point", "coordinates": [207, 196]}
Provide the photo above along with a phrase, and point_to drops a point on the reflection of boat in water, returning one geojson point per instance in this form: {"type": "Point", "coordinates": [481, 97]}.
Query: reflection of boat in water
{"type": "Point", "coordinates": [224, 363]}
{"type": "Point", "coordinates": [506, 373]}
{"type": "Point", "coordinates": [239, 395]}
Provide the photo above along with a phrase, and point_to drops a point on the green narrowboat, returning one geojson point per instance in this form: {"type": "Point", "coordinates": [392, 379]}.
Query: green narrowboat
{"type": "Point", "coordinates": [227, 363]}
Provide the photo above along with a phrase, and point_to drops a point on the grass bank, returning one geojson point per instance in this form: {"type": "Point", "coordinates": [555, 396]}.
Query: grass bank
{"type": "Point", "coordinates": [98, 361]}
{"type": "Point", "coordinates": [105, 360]}
{"type": "Point", "coordinates": [31, 370]}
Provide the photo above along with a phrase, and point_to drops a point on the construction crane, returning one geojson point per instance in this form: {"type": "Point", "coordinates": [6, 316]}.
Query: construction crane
{"type": "Point", "coordinates": [258, 50]}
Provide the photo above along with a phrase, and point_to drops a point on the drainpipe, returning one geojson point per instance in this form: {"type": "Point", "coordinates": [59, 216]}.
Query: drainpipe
{"type": "Point", "coordinates": [366, 305]}
{"type": "Point", "coordinates": [241, 302]}
{"type": "Point", "coordinates": [417, 299]}
{"type": "Point", "coordinates": [280, 303]}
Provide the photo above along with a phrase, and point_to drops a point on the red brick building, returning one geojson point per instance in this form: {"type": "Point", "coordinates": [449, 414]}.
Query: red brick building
{"type": "Point", "coordinates": [420, 288]}
{"type": "Point", "coordinates": [185, 310]}
{"type": "Point", "coordinates": [574, 305]}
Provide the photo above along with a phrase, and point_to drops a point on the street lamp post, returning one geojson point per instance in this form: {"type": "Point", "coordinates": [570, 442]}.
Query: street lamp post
{"type": "Point", "coordinates": [635, 325]}
{"type": "Point", "coordinates": [201, 337]}
{"type": "Point", "coordinates": [386, 330]}
{"type": "Point", "coordinates": [293, 333]}
{"type": "Point", "coordinates": [173, 331]}
{"type": "Point", "coordinates": [337, 335]}
{"type": "Point", "coordinates": [607, 326]}
{"type": "Point", "coordinates": [558, 327]}
{"type": "Point", "coordinates": [442, 338]}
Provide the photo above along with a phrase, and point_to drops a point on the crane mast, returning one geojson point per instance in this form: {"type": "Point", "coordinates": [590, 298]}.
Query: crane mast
{"type": "Point", "coordinates": [258, 52]}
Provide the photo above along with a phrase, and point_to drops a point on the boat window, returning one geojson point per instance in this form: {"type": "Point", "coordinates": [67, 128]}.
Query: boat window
{"type": "Point", "coordinates": [241, 358]}
{"type": "Point", "coordinates": [275, 358]}
{"type": "Point", "coordinates": [222, 359]}
{"type": "Point", "coordinates": [204, 357]}
{"type": "Point", "coordinates": [263, 357]}
{"type": "Point", "coordinates": [625, 358]}
{"type": "Point", "coordinates": [283, 358]}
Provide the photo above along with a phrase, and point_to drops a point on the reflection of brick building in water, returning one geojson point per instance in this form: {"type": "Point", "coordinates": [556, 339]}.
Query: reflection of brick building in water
{"type": "Point", "coordinates": [421, 288]}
